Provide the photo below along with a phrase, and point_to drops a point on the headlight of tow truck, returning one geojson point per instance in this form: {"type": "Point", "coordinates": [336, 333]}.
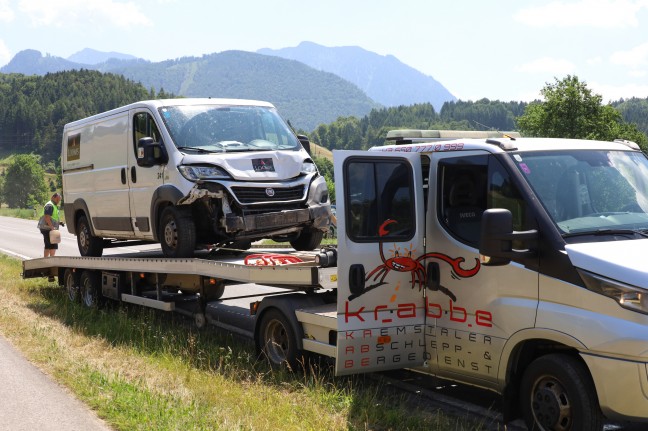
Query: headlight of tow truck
{"type": "Point", "coordinates": [207, 172]}
{"type": "Point", "coordinates": [630, 297]}
{"type": "Point", "coordinates": [308, 167]}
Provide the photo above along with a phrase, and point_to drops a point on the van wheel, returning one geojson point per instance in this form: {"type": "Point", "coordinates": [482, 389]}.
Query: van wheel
{"type": "Point", "coordinates": [277, 341]}
{"type": "Point", "coordinates": [308, 239]}
{"type": "Point", "coordinates": [90, 282]}
{"type": "Point", "coordinates": [90, 246]}
{"type": "Point", "coordinates": [71, 284]}
{"type": "Point", "coordinates": [557, 393]}
{"type": "Point", "coordinates": [177, 233]}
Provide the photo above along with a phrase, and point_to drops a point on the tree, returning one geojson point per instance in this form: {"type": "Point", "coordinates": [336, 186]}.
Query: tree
{"type": "Point", "coordinates": [571, 110]}
{"type": "Point", "coordinates": [24, 183]}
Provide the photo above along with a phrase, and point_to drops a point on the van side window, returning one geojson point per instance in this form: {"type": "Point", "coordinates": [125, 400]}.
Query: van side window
{"type": "Point", "coordinates": [468, 186]}
{"type": "Point", "coordinates": [377, 191]}
{"type": "Point", "coordinates": [144, 127]}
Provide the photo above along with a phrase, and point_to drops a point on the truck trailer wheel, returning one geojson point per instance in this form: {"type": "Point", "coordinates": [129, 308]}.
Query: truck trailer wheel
{"type": "Point", "coordinates": [89, 245]}
{"type": "Point", "coordinates": [557, 393]}
{"type": "Point", "coordinates": [71, 284]}
{"type": "Point", "coordinates": [277, 341]}
{"type": "Point", "coordinates": [90, 282]}
{"type": "Point", "coordinates": [308, 239]}
{"type": "Point", "coordinates": [177, 233]}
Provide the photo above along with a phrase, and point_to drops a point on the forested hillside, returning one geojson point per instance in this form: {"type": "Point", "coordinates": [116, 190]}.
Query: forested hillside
{"type": "Point", "coordinates": [361, 133]}
{"type": "Point", "coordinates": [634, 111]}
{"type": "Point", "coordinates": [34, 109]}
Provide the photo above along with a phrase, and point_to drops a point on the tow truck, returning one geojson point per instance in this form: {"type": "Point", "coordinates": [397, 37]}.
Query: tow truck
{"type": "Point", "coordinates": [508, 263]}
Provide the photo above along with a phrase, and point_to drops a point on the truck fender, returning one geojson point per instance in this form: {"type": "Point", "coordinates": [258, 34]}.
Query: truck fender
{"type": "Point", "coordinates": [287, 304]}
{"type": "Point", "coordinates": [519, 351]}
{"type": "Point", "coordinates": [71, 210]}
{"type": "Point", "coordinates": [163, 195]}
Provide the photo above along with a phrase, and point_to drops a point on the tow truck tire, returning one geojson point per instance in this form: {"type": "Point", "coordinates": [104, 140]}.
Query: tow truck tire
{"type": "Point", "coordinates": [557, 393]}
{"type": "Point", "coordinates": [277, 341]}
{"type": "Point", "coordinates": [90, 289]}
{"type": "Point", "coordinates": [71, 284]}
{"type": "Point", "coordinates": [177, 233]}
{"type": "Point", "coordinates": [308, 239]}
{"type": "Point", "coordinates": [89, 245]}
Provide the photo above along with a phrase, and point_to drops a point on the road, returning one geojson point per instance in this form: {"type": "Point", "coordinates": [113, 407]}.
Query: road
{"type": "Point", "coordinates": [31, 400]}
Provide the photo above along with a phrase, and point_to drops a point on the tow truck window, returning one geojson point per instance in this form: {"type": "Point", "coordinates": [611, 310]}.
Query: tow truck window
{"type": "Point", "coordinates": [378, 191]}
{"type": "Point", "coordinates": [470, 185]}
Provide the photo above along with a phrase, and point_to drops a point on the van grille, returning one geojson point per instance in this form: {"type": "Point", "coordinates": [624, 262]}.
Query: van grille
{"type": "Point", "coordinates": [251, 195]}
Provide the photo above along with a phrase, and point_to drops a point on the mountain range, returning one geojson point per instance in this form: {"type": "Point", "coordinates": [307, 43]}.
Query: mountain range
{"type": "Point", "coordinates": [310, 84]}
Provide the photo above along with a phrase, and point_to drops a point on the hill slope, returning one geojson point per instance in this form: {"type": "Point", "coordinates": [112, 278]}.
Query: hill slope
{"type": "Point", "coordinates": [385, 79]}
{"type": "Point", "coordinates": [304, 96]}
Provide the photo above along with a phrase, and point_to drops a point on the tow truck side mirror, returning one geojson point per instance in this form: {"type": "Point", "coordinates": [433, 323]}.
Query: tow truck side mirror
{"type": "Point", "coordinates": [497, 236]}
{"type": "Point", "coordinates": [150, 153]}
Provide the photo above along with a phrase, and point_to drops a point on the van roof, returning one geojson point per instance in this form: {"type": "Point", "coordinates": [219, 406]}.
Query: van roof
{"type": "Point", "coordinates": [158, 103]}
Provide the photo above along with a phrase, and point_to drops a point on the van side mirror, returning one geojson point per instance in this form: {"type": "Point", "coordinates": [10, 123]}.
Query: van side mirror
{"type": "Point", "coordinates": [150, 153]}
{"type": "Point", "coordinates": [497, 236]}
{"type": "Point", "coordinates": [303, 139]}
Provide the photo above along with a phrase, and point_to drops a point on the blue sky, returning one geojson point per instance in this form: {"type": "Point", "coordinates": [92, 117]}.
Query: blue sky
{"type": "Point", "coordinates": [499, 49]}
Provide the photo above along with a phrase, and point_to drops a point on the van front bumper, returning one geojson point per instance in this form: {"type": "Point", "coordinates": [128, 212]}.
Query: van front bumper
{"type": "Point", "coordinates": [317, 216]}
{"type": "Point", "coordinates": [621, 385]}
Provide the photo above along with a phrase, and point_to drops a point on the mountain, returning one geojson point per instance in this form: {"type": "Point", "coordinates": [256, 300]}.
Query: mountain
{"type": "Point", "coordinates": [92, 56]}
{"type": "Point", "coordinates": [304, 96]}
{"type": "Point", "coordinates": [32, 62]}
{"type": "Point", "coordinates": [385, 79]}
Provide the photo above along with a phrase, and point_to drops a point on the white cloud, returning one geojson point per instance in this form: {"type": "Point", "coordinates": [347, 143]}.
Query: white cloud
{"type": "Point", "coordinates": [65, 13]}
{"type": "Point", "coordinates": [5, 55]}
{"type": "Point", "coordinates": [554, 66]}
{"type": "Point", "coordinates": [583, 13]}
{"type": "Point", "coordinates": [594, 61]}
{"type": "Point", "coordinates": [6, 13]}
{"type": "Point", "coordinates": [635, 57]}
{"type": "Point", "coordinates": [616, 92]}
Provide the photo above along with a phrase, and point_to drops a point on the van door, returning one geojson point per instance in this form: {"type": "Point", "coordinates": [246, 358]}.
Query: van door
{"type": "Point", "coordinates": [143, 181]}
{"type": "Point", "coordinates": [381, 279]}
{"type": "Point", "coordinates": [473, 310]}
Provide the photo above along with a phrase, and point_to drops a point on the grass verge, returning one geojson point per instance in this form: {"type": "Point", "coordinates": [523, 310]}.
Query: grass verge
{"type": "Point", "coordinates": [140, 369]}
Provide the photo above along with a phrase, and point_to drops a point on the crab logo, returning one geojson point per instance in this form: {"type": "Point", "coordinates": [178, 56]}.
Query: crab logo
{"type": "Point", "coordinates": [406, 263]}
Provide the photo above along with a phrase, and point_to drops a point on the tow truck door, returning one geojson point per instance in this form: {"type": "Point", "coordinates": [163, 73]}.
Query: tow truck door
{"type": "Point", "coordinates": [381, 228]}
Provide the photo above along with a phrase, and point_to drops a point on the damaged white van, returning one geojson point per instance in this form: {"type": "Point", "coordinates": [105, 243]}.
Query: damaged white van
{"type": "Point", "coordinates": [190, 173]}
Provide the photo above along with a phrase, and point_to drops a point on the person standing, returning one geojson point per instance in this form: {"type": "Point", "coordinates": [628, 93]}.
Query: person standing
{"type": "Point", "coordinates": [49, 221]}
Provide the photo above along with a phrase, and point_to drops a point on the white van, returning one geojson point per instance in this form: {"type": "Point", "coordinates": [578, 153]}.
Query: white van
{"type": "Point", "coordinates": [189, 173]}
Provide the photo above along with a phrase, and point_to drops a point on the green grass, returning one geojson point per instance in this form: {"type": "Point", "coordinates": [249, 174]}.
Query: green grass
{"type": "Point", "coordinates": [18, 213]}
{"type": "Point", "coordinates": [141, 369]}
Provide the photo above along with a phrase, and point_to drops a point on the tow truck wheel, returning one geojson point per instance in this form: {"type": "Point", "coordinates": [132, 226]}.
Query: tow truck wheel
{"type": "Point", "coordinates": [200, 320]}
{"type": "Point", "coordinates": [308, 239]}
{"type": "Point", "coordinates": [277, 341]}
{"type": "Point", "coordinates": [71, 284]}
{"type": "Point", "coordinates": [557, 393]}
{"type": "Point", "coordinates": [90, 283]}
{"type": "Point", "coordinates": [89, 245]}
{"type": "Point", "coordinates": [177, 233]}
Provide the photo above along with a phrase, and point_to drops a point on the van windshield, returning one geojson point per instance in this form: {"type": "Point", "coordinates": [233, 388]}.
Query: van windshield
{"type": "Point", "coordinates": [590, 191]}
{"type": "Point", "coordinates": [219, 128]}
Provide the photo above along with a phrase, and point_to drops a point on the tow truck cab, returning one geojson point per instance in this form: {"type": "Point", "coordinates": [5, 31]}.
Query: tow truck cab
{"type": "Point", "coordinates": [513, 264]}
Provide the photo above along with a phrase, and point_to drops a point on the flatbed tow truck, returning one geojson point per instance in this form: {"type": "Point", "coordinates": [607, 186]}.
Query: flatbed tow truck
{"type": "Point", "coordinates": [513, 264]}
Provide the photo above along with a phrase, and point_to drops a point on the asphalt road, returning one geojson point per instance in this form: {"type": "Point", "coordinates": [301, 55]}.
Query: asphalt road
{"type": "Point", "coordinates": [29, 399]}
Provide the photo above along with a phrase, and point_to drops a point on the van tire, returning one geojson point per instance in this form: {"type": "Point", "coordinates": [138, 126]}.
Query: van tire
{"type": "Point", "coordinates": [308, 239]}
{"type": "Point", "coordinates": [557, 393]}
{"type": "Point", "coordinates": [177, 233]}
{"type": "Point", "coordinates": [89, 245]}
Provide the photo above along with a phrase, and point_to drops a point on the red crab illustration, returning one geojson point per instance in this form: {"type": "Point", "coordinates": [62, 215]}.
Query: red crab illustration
{"type": "Point", "coordinates": [406, 263]}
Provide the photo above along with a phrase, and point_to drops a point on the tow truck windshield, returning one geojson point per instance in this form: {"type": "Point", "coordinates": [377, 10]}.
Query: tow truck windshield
{"type": "Point", "coordinates": [590, 191]}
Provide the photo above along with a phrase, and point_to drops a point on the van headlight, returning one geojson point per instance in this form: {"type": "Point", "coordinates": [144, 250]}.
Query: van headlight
{"type": "Point", "coordinates": [207, 172]}
{"type": "Point", "coordinates": [630, 297]}
{"type": "Point", "coordinates": [308, 168]}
